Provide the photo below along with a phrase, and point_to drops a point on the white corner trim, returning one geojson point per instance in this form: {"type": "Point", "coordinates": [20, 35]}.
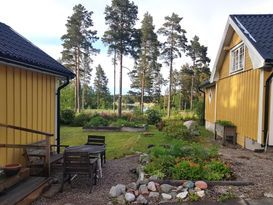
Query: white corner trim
{"type": "Point", "coordinates": [260, 111]}
{"type": "Point", "coordinates": [256, 59]}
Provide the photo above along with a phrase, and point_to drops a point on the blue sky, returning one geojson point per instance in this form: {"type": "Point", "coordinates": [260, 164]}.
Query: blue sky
{"type": "Point", "coordinates": [43, 22]}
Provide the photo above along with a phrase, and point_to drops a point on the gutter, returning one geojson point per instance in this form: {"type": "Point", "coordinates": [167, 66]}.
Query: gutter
{"type": "Point", "coordinates": [266, 106]}
{"type": "Point", "coordinates": [58, 139]}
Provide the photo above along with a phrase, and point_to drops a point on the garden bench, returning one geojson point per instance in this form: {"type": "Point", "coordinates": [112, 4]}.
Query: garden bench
{"type": "Point", "coordinates": [97, 140]}
{"type": "Point", "coordinates": [79, 163]}
{"type": "Point", "coordinates": [36, 155]}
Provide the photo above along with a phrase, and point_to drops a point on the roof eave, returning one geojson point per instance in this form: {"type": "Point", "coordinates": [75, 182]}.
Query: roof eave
{"type": "Point", "coordinates": [257, 60]}
{"type": "Point", "coordinates": [35, 68]}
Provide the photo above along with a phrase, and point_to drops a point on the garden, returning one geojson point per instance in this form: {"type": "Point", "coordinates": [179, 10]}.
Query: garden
{"type": "Point", "coordinates": [171, 149]}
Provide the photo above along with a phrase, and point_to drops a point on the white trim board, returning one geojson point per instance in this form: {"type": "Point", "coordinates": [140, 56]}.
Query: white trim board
{"type": "Point", "coordinates": [256, 59]}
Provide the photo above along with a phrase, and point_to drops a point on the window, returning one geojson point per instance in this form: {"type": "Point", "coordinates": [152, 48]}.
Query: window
{"type": "Point", "coordinates": [237, 58]}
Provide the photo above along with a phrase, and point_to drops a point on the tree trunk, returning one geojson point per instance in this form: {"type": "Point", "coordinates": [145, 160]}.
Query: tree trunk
{"type": "Point", "coordinates": [170, 89]}
{"type": "Point", "coordinates": [142, 92]}
{"type": "Point", "coordinates": [120, 88]}
{"type": "Point", "coordinates": [78, 82]}
{"type": "Point", "coordinates": [114, 95]}
{"type": "Point", "coordinates": [83, 98]}
{"type": "Point", "coordinates": [191, 91]}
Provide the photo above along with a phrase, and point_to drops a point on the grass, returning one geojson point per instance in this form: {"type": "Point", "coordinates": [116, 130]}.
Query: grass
{"type": "Point", "coordinates": [119, 144]}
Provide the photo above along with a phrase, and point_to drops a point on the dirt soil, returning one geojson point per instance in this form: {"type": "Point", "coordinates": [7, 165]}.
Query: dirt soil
{"type": "Point", "coordinates": [251, 167]}
{"type": "Point", "coordinates": [114, 172]}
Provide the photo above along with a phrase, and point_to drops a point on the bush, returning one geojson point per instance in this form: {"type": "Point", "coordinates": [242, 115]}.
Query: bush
{"type": "Point", "coordinates": [153, 116]}
{"type": "Point", "coordinates": [67, 116]}
{"type": "Point", "coordinates": [96, 121]}
{"type": "Point", "coordinates": [177, 130]}
{"type": "Point", "coordinates": [81, 119]}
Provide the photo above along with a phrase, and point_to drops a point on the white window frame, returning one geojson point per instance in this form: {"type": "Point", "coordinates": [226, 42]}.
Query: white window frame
{"type": "Point", "coordinates": [237, 47]}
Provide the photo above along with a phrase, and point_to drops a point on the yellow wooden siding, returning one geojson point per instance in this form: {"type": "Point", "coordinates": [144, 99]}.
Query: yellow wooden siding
{"type": "Point", "coordinates": [224, 70]}
{"type": "Point", "coordinates": [238, 102]}
{"type": "Point", "coordinates": [210, 104]}
{"type": "Point", "coordinates": [27, 100]}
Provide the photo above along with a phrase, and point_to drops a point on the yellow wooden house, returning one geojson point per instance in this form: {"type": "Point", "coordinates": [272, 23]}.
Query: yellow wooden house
{"type": "Point", "coordinates": [241, 81]}
{"type": "Point", "coordinates": [30, 83]}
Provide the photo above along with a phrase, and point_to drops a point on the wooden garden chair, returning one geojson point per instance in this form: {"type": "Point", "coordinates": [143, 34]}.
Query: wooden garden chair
{"type": "Point", "coordinates": [97, 140]}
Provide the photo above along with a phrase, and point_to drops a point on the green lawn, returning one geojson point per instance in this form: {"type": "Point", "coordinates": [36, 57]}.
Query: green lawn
{"type": "Point", "coordinates": [119, 144]}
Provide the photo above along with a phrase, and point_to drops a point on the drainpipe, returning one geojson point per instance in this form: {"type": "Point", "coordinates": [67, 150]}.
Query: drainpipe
{"type": "Point", "coordinates": [204, 104]}
{"type": "Point", "coordinates": [59, 112]}
{"type": "Point", "coordinates": [266, 106]}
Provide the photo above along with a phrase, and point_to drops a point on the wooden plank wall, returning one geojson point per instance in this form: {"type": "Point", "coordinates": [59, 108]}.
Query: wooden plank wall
{"type": "Point", "coordinates": [27, 99]}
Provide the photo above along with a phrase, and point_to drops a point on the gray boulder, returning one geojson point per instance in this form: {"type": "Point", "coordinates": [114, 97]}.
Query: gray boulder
{"type": "Point", "coordinates": [117, 190]}
{"type": "Point", "coordinates": [141, 200]}
{"type": "Point", "coordinates": [129, 197]}
{"type": "Point", "coordinates": [166, 188]}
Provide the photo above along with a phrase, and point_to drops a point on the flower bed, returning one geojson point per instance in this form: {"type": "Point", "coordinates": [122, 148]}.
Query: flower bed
{"type": "Point", "coordinates": [188, 162]}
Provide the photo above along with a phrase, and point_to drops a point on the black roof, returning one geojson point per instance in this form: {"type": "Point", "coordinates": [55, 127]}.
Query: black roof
{"type": "Point", "coordinates": [258, 28]}
{"type": "Point", "coordinates": [15, 49]}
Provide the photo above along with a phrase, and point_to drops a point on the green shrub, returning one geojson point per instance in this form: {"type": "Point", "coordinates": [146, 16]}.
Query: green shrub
{"type": "Point", "coordinates": [224, 123]}
{"type": "Point", "coordinates": [96, 121]}
{"type": "Point", "coordinates": [81, 119]}
{"type": "Point", "coordinates": [177, 130]}
{"type": "Point", "coordinates": [162, 165]}
{"type": "Point", "coordinates": [124, 123]}
{"type": "Point", "coordinates": [153, 116]}
{"type": "Point", "coordinates": [188, 170]}
{"type": "Point", "coordinates": [217, 170]}
{"type": "Point", "coordinates": [67, 116]}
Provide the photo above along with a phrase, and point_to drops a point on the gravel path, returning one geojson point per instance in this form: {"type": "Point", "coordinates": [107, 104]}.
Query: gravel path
{"type": "Point", "coordinates": [114, 172]}
{"type": "Point", "coordinates": [252, 167]}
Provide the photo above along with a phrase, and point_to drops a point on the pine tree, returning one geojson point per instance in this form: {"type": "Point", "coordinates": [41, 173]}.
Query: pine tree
{"type": "Point", "coordinates": [77, 42]}
{"type": "Point", "coordinates": [100, 86]}
{"type": "Point", "coordinates": [146, 67]}
{"type": "Point", "coordinates": [200, 65]}
{"type": "Point", "coordinates": [174, 44]}
{"type": "Point", "coordinates": [121, 17]}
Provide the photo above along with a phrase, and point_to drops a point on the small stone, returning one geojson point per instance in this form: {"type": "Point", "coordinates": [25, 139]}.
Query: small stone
{"type": "Point", "coordinates": [154, 195]}
{"type": "Point", "coordinates": [132, 186]}
{"type": "Point", "coordinates": [141, 200]}
{"type": "Point", "coordinates": [268, 195]}
{"type": "Point", "coordinates": [121, 200]}
{"type": "Point", "coordinates": [151, 186]}
{"type": "Point", "coordinates": [188, 184]}
{"type": "Point", "coordinates": [140, 182]}
{"type": "Point", "coordinates": [180, 188]}
{"type": "Point", "coordinates": [200, 193]}
{"type": "Point", "coordinates": [197, 189]}
{"type": "Point", "coordinates": [110, 203]}
{"type": "Point", "coordinates": [136, 192]}
{"type": "Point", "coordinates": [129, 197]}
{"type": "Point", "coordinates": [117, 190]}
{"type": "Point", "coordinates": [173, 194]}
{"type": "Point", "coordinates": [143, 189]}
{"type": "Point", "coordinates": [182, 195]}
{"type": "Point", "coordinates": [153, 178]}
{"type": "Point", "coordinates": [201, 184]}
{"type": "Point", "coordinates": [166, 188]}
{"type": "Point", "coordinates": [166, 196]}
{"type": "Point", "coordinates": [191, 191]}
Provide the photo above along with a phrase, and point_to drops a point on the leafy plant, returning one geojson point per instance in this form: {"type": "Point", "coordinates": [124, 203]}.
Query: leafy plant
{"type": "Point", "coordinates": [153, 116]}
{"type": "Point", "coordinates": [67, 116]}
{"type": "Point", "coordinates": [226, 196]}
{"type": "Point", "coordinates": [224, 123]}
{"type": "Point", "coordinates": [177, 130]}
{"type": "Point", "coordinates": [193, 197]}
{"type": "Point", "coordinates": [217, 170]}
{"type": "Point", "coordinates": [96, 121]}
